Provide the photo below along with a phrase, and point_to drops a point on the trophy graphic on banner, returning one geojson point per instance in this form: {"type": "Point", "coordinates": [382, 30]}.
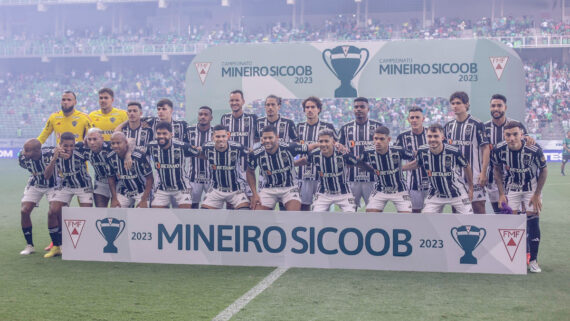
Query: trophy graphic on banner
{"type": "Point", "coordinates": [468, 237]}
{"type": "Point", "coordinates": [345, 62]}
{"type": "Point", "coordinates": [110, 228]}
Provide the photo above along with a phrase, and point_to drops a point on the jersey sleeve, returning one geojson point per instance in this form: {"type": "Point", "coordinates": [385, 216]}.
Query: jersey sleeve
{"type": "Point", "coordinates": [460, 160]}
{"type": "Point", "coordinates": [190, 151]}
{"type": "Point", "coordinates": [350, 159]}
{"type": "Point", "coordinates": [406, 154]}
{"type": "Point", "coordinates": [399, 141]}
{"type": "Point", "coordinates": [296, 149]}
{"type": "Point", "coordinates": [481, 134]}
{"type": "Point", "coordinates": [494, 159]}
{"type": "Point", "coordinates": [293, 134]}
{"type": "Point", "coordinates": [419, 157]}
{"type": "Point", "coordinates": [144, 166]}
{"type": "Point", "coordinates": [21, 160]}
{"type": "Point", "coordinates": [331, 127]}
{"type": "Point", "coordinates": [342, 136]}
{"type": "Point", "coordinates": [252, 161]}
{"type": "Point", "coordinates": [540, 159]}
{"type": "Point", "coordinates": [48, 129]}
{"type": "Point", "coordinates": [364, 157]}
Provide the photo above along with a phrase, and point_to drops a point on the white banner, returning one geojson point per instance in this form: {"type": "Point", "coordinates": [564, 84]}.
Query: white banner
{"type": "Point", "coordinates": [406, 242]}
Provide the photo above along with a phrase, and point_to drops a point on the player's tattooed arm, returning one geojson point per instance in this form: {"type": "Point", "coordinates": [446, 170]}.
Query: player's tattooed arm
{"type": "Point", "coordinates": [51, 166]}
{"type": "Point", "coordinates": [535, 199]}
{"type": "Point", "coordinates": [468, 173]}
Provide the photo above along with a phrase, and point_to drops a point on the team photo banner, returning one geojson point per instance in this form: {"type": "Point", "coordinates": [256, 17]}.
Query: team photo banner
{"type": "Point", "coordinates": [399, 242]}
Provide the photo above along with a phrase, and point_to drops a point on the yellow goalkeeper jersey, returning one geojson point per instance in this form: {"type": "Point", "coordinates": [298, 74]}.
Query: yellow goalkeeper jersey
{"type": "Point", "coordinates": [77, 123]}
{"type": "Point", "coordinates": [108, 122]}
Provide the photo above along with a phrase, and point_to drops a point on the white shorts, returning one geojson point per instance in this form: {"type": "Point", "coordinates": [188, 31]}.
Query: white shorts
{"type": "Point", "coordinates": [516, 201]}
{"type": "Point", "coordinates": [164, 198]}
{"type": "Point", "coordinates": [216, 198]}
{"type": "Point", "coordinates": [401, 200]}
{"type": "Point", "coordinates": [322, 202]}
{"type": "Point", "coordinates": [198, 189]}
{"type": "Point", "coordinates": [269, 197]}
{"type": "Point", "coordinates": [65, 194]}
{"type": "Point", "coordinates": [102, 188]}
{"type": "Point", "coordinates": [493, 192]}
{"type": "Point", "coordinates": [434, 204]}
{"type": "Point", "coordinates": [478, 193]}
{"type": "Point", "coordinates": [129, 201]}
{"type": "Point", "coordinates": [362, 190]}
{"type": "Point", "coordinates": [308, 189]}
{"type": "Point", "coordinates": [33, 194]}
{"type": "Point", "coordinates": [418, 198]}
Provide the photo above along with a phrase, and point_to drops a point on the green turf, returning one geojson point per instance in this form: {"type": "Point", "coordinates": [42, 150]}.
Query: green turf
{"type": "Point", "coordinates": [34, 288]}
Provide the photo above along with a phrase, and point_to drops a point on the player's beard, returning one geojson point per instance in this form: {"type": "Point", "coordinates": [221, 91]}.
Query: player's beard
{"type": "Point", "coordinates": [66, 110]}
{"type": "Point", "coordinates": [501, 114]}
{"type": "Point", "coordinates": [160, 140]}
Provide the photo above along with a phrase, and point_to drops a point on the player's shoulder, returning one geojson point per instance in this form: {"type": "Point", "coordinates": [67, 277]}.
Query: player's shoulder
{"type": "Point", "coordinates": [192, 127]}
{"type": "Point", "coordinates": [423, 148]}
{"type": "Point", "coordinates": [350, 123]}
{"type": "Point", "coordinates": [209, 144]}
{"type": "Point", "coordinates": [234, 144]}
{"type": "Point", "coordinates": [258, 151]}
{"type": "Point", "coordinates": [137, 153]}
{"type": "Point", "coordinates": [80, 114]}
{"type": "Point", "coordinates": [451, 148]}
{"type": "Point", "coordinates": [112, 154]}
{"type": "Point", "coordinates": [118, 111]}
{"type": "Point", "coordinates": [47, 149]}
{"type": "Point", "coordinates": [397, 148]}
{"type": "Point", "coordinates": [375, 122]}
{"type": "Point", "coordinates": [95, 113]}
{"type": "Point", "coordinates": [475, 120]}
{"type": "Point", "coordinates": [500, 145]}
{"type": "Point", "coordinates": [178, 143]}
{"type": "Point", "coordinates": [315, 152]}
{"type": "Point", "coordinates": [369, 149]}
{"type": "Point", "coordinates": [534, 148]}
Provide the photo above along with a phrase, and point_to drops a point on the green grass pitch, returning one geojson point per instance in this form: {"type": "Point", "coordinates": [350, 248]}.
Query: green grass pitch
{"type": "Point", "coordinates": [34, 288]}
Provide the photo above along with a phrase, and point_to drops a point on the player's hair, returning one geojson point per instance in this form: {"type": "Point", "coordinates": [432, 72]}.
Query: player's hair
{"type": "Point", "coordinates": [237, 91]}
{"type": "Point", "coordinates": [435, 127]}
{"type": "Point", "coordinates": [513, 124]}
{"type": "Point", "coordinates": [67, 136]}
{"type": "Point", "coordinates": [107, 91]}
{"type": "Point", "coordinates": [219, 127]}
{"type": "Point", "coordinates": [315, 100]}
{"type": "Point", "coordinates": [382, 130]}
{"type": "Point", "coordinates": [165, 101]}
{"type": "Point", "coordinates": [94, 130]}
{"type": "Point", "coordinates": [361, 99]}
{"type": "Point", "coordinates": [327, 132]}
{"type": "Point", "coordinates": [70, 92]}
{"type": "Point", "coordinates": [207, 108]}
{"type": "Point", "coordinates": [135, 103]}
{"type": "Point", "coordinates": [164, 125]}
{"type": "Point", "coordinates": [499, 96]}
{"type": "Point", "coordinates": [278, 99]}
{"type": "Point", "coordinates": [269, 129]}
{"type": "Point", "coordinates": [415, 108]}
{"type": "Point", "coordinates": [461, 95]}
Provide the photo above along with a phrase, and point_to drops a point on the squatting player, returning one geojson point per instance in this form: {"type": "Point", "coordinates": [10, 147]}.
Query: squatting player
{"type": "Point", "coordinates": [526, 174]}
{"type": "Point", "coordinates": [107, 118]}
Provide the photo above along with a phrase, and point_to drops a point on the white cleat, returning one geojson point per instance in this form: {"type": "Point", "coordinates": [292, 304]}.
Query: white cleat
{"type": "Point", "coordinates": [533, 267]}
{"type": "Point", "coordinates": [28, 250]}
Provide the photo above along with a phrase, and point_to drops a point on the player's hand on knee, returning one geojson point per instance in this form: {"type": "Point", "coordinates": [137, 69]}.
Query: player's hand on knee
{"type": "Point", "coordinates": [536, 203]}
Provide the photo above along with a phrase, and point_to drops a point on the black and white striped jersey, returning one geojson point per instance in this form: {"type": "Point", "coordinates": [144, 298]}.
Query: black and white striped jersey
{"type": "Point", "coordinates": [73, 171]}
{"type": "Point", "coordinates": [443, 170]}
{"type": "Point", "coordinates": [417, 178]}
{"type": "Point", "coordinates": [225, 166]}
{"type": "Point", "coordinates": [520, 165]}
{"type": "Point", "coordinates": [331, 171]}
{"type": "Point", "coordinates": [242, 131]}
{"type": "Point", "coordinates": [132, 181]}
{"type": "Point", "coordinates": [141, 136]}
{"type": "Point", "coordinates": [37, 168]}
{"type": "Point", "coordinates": [199, 172]}
{"type": "Point", "coordinates": [309, 134]}
{"type": "Point", "coordinates": [97, 160]}
{"type": "Point", "coordinates": [178, 128]}
{"type": "Point", "coordinates": [285, 128]}
{"type": "Point", "coordinates": [495, 135]}
{"type": "Point", "coordinates": [277, 170]}
{"type": "Point", "coordinates": [388, 167]}
{"type": "Point", "coordinates": [356, 137]}
{"type": "Point", "coordinates": [169, 164]}
{"type": "Point", "coordinates": [469, 136]}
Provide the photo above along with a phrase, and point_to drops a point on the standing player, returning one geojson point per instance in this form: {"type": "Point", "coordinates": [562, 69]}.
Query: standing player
{"type": "Point", "coordinates": [356, 135]}
{"type": "Point", "coordinates": [35, 159]}
{"type": "Point", "coordinates": [96, 151]}
{"type": "Point", "coordinates": [223, 159]}
{"type": "Point", "coordinates": [129, 187]}
{"type": "Point", "coordinates": [411, 140]}
{"type": "Point", "coordinates": [169, 156]}
{"type": "Point", "coordinates": [308, 132]}
{"type": "Point", "coordinates": [565, 152]}
{"type": "Point", "coordinates": [277, 167]}
{"type": "Point", "coordinates": [285, 127]}
{"type": "Point", "coordinates": [67, 120]}
{"type": "Point", "coordinates": [108, 117]}
{"type": "Point", "coordinates": [386, 162]}
{"type": "Point", "coordinates": [70, 164]}
{"type": "Point", "coordinates": [443, 163]}
{"type": "Point", "coordinates": [198, 135]}
{"type": "Point", "coordinates": [134, 130]}
{"type": "Point", "coordinates": [521, 187]}
{"type": "Point", "coordinates": [468, 135]}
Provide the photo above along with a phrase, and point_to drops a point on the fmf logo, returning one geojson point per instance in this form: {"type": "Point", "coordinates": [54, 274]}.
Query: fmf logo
{"type": "Point", "coordinates": [203, 68]}
{"type": "Point", "coordinates": [511, 239]}
{"type": "Point", "coordinates": [499, 64]}
{"type": "Point", "coordinates": [74, 228]}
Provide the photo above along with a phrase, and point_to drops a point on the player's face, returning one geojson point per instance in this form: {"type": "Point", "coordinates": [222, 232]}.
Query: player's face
{"type": "Point", "coordinates": [269, 140]}
{"type": "Point", "coordinates": [119, 145]}
{"type": "Point", "coordinates": [434, 138]}
{"type": "Point", "coordinates": [326, 144]}
{"type": "Point", "coordinates": [271, 107]}
{"type": "Point", "coordinates": [236, 102]}
{"type": "Point", "coordinates": [32, 153]}
{"type": "Point", "coordinates": [204, 116]}
{"type": "Point", "coordinates": [458, 106]}
{"type": "Point", "coordinates": [513, 137]}
{"type": "Point", "coordinates": [381, 142]}
{"type": "Point", "coordinates": [220, 138]}
{"type": "Point", "coordinates": [361, 110]}
{"type": "Point", "coordinates": [164, 112]}
{"type": "Point", "coordinates": [105, 101]}
{"type": "Point", "coordinates": [311, 110]}
{"type": "Point", "coordinates": [67, 102]}
{"type": "Point", "coordinates": [163, 137]}
{"type": "Point", "coordinates": [68, 147]}
{"type": "Point", "coordinates": [416, 119]}
{"type": "Point", "coordinates": [498, 108]}
{"type": "Point", "coordinates": [134, 113]}
{"type": "Point", "coordinates": [94, 141]}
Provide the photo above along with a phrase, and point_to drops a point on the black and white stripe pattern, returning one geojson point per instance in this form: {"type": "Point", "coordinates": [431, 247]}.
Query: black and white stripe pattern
{"type": "Point", "coordinates": [521, 165]}
{"type": "Point", "coordinates": [37, 169]}
{"type": "Point", "coordinates": [443, 170]}
{"type": "Point", "coordinates": [97, 160]}
{"type": "Point", "coordinates": [276, 169]}
{"type": "Point", "coordinates": [356, 137]}
{"type": "Point", "coordinates": [178, 128]}
{"type": "Point", "coordinates": [388, 168]}
{"type": "Point", "coordinates": [169, 164]}
{"type": "Point", "coordinates": [242, 131]}
{"type": "Point", "coordinates": [331, 170]}
{"type": "Point", "coordinates": [285, 128]}
{"type": "Point", "coordinates": [417, 178]}
{"type": "Point", "coordinates": [469, 136]}
{"type": "Point", "coordinates": [309, 134]}
{"type": "Point", "coordinates": [141, 136]}
{"type": "Point", "coordinates": [225, 166]}
{"type": "Point", "coordinates": [73, 171]}
{"type": "Point", "coordinates": [495, 134]}
{"type": "Point", "coordinates": [199, 172]}
{"type": "Point", "coordinates": [133, 181]}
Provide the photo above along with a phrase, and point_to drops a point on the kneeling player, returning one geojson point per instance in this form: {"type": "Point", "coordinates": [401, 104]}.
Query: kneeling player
{"type": "Point", "coordinates": [523, 187]}
{"type": "Point", "coordinates": [386, 162]}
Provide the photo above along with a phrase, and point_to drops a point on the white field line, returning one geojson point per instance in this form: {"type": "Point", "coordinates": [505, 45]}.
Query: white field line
{"type": "Point", "coordinates": [241, 302]}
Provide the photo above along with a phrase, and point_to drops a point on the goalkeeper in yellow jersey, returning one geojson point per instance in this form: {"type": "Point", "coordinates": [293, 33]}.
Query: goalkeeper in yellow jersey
{"type": "Point", "coordinates": [108, 117]}
{"type": "Point", "coordinates": [67, 120]}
